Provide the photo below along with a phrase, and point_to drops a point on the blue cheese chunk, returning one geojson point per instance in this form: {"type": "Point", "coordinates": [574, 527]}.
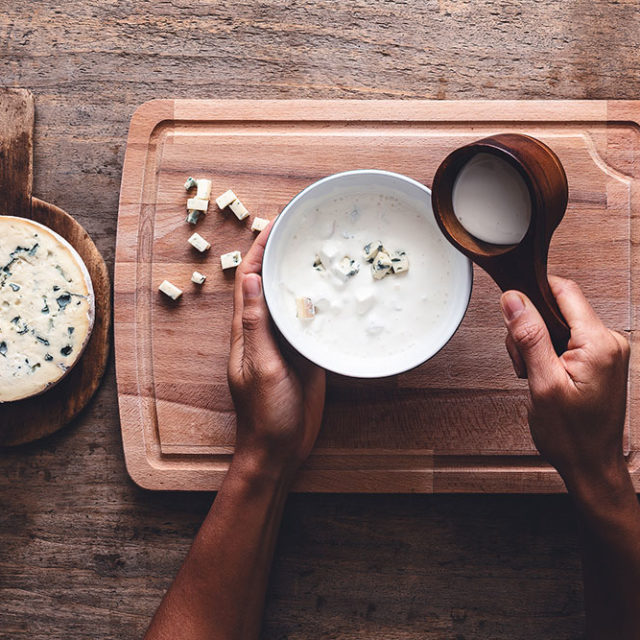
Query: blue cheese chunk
{"type": "Point", "coordinates": [47, 308]}
{"type": "Point", "coordinates": [170, 290]}
{"type": "Point", "coordinates": [381, 265]}
{"type": "Point", "coordinates": [239, 209]}
{"type": "Point", "coordinates": [197, 204]}
{"type": "Point", "coordinates": [226, 199]}
{"type": "Point", "coordinates": [317, 263]}
{"type": "Point", "coordinates": [199, 243]}
{"type": "Point", "coordinates": [399, 262]}
{"type": "Point", "coordinates": [204, 189]}
{"type": "Point", "coordinates": [347, 268]}
{"type": "Point", "coordinates": [259, 224]}
{"type": "Point", "coordinates": [304, 308]}
{"type": "Point", "coordinates": [370, 250]}
{"type": "Point", "coordinates": [231, 259]}
{"type": "Point", "coordinates": [198, 277]}
{"type": "Point", "coordinates": [193, 216]}
{"type": "Point", "coordinates": [196, 207]}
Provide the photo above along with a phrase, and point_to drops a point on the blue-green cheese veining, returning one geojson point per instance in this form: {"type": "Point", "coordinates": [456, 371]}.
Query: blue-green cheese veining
{"type": "Point", "coordinates": [46, 308]}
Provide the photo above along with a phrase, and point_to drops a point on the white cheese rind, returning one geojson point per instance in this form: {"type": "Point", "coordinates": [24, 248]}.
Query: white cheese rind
{"type": "Point", "coordinates": [199, 243]}
{"type": "Point", "coordinates": [259, 224]}
{"type": "Point", "coordinates": [231, 259]}
{"type": "Point", "coordinates": [226, 199]}
{"type": "Point", "coordinates": [47, 308]}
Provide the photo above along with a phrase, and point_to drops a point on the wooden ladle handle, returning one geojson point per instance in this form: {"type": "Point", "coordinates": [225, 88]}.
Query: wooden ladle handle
{"type": "Point", "coordinates": [548, 308]}
{"type": "Point", "coordinates": [534, 284]}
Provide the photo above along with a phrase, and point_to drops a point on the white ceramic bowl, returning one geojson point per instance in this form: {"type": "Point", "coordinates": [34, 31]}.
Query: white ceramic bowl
{"type": "Point", "coordinates": [367, 181]}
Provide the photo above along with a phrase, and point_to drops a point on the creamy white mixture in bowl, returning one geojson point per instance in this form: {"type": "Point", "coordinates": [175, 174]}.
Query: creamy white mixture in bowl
{"type": "Point", "coordinates": [358, 277]}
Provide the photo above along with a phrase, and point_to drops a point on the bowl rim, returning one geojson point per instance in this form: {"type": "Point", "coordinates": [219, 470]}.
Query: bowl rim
{"type": "Point", "coordinates": [267, 260]}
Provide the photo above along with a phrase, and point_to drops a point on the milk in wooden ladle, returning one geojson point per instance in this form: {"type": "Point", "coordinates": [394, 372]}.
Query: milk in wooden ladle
{"type": "Point", "coordinates": [491, 200]}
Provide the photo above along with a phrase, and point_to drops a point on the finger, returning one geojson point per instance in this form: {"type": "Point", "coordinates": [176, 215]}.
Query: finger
{"type": "Point", "coordinates": [314, 383]}
{"type": "Point", "coordinates": [260, 353]}
{"type": "Point", "coordinates": [531, 338]}
{"type": "Point", "coordinates": [574, 306]}
{"type": "Point", "coordinates": [251, 263]}
{"type": "Point", "coordinates": [516, 359]}
{"type": "Point", "coordinates": [312, 377]}
{"type": "Point", "coordinates": [623, 344]}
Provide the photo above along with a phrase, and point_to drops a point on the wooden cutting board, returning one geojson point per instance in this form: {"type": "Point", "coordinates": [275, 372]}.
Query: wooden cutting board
{"type": "Point", "coordinates": [457, 423]}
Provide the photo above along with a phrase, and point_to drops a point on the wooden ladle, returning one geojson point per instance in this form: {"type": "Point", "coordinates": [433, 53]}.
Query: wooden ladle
{"type": "Point", "coordinates": [521, 266]}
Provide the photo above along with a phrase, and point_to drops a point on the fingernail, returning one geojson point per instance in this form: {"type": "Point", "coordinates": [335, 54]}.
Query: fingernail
{"type": "Point", "coordinates": [251, 287]}
{"type": "Point", "coordinates": [512, 305]}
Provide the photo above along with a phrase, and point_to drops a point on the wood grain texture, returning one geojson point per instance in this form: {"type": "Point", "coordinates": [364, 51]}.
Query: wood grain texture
{"type": "Point", "coordinates": [85, 553]}
{"type": "Point", "coordinates": [16, 151]}
{"type": "Point", "coordinates": [424, 431]}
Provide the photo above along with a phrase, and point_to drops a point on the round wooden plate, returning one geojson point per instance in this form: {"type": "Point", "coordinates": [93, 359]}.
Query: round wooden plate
{"type": "Point", "coordinates": [32, 418]}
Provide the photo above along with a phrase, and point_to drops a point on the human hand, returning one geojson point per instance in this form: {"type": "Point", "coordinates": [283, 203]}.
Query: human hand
{"type": "Point", "coordinates": [578, 399]}
{"type": "Point", "coordinates": [279, 401]}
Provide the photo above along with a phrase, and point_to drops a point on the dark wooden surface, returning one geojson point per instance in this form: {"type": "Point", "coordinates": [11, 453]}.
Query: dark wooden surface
{"type": "Point", "coordinates": [83, 552]}
{"type": "Point", "coordinates": [16, 152]}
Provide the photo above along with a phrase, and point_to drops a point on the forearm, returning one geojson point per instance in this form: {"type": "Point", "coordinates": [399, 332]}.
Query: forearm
{"type": "Point", "coordinates": [609, 518]}
{"type": "Point", "coordinates": [219, 591]}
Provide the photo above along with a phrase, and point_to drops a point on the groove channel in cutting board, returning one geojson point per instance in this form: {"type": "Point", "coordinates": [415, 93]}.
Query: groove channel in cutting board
{"type": "Point", "coordinates": [456, 423]}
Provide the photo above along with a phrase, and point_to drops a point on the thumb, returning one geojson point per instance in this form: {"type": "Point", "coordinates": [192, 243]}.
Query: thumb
{"type": "Point", "coordinates": [261, 353]}
{"type": "Point", "coordinates": [530, 337]}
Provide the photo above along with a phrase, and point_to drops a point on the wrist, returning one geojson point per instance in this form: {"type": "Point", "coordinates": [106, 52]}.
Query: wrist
{"type": "Point", "coordinates": [259, 466]}
{"type": "Point", "coordinates": [602, 490]}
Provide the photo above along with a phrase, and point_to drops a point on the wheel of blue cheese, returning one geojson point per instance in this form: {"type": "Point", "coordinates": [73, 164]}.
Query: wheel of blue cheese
{"type": "Point", "coordinates": [47, 308]}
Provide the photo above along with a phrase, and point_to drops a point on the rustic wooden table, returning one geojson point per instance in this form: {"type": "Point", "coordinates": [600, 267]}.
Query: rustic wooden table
{"type": "Point", "coordinates": [86, 554]}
